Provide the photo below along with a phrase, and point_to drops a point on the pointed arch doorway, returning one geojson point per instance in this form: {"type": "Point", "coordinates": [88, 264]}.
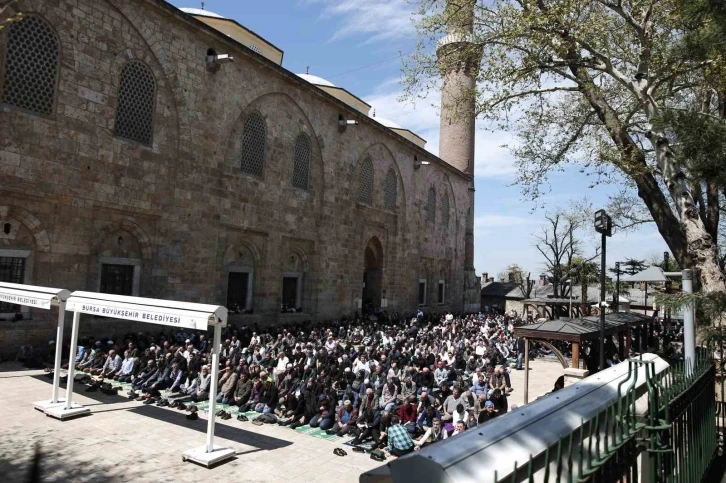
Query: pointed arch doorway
{"type": "Point", "coordinates": [372, 274]}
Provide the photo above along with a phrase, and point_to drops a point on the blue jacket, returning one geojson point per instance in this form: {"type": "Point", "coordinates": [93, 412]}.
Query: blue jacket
{"type": "Point", "coordinates": [479, 389]}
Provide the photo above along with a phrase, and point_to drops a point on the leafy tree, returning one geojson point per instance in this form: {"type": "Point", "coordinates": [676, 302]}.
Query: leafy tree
{"type": "Point", "coordinates": [632, 266]}
{"type": "Point", "coordinates": [585, 272]}
{"type": "Point", "coordinates": [588, 82]}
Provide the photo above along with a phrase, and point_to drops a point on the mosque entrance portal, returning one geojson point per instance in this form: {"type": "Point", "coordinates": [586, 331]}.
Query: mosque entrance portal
{"type": "Point", "coordinates": [373, 274]}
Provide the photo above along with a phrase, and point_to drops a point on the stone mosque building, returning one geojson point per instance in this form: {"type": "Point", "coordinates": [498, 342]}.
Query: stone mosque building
{"type": "Point", "coordinates": [167, 153]}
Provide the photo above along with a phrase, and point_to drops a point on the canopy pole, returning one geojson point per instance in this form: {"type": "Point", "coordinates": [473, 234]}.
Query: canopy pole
{"type": "Point", "coordinates": [59, 352]}
{"type": "Point", "coordinates": [71, 367]}
{"type": "Point", "coordinates": [689, 330]}
{"type": "Point", "coordinates": [526, 370]}
{"type": "Point", "coordinates": [213, 389]}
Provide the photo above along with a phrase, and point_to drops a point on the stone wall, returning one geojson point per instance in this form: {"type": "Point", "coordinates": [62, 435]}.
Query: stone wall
{"type": "Point", "coordinates": [180, 208]}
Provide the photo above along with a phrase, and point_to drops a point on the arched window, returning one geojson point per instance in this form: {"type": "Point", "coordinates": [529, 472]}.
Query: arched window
{"type": "Point", "coordinates": [390, 192]}
{"type": "Point", "coordinates": [301, 164]}
{"type": "Point", "coordinates": [254, 139]}
{"type": "Point", "coordinates": [365, 182]}
{"type": "Point", "coordinates": [431, 206]}
{"type": "Point", "coordinates": [445, 211]}
{"type": "Point", "coordinates": [136, 99]}
{"type": "Point", "coordinates": [31, 65]}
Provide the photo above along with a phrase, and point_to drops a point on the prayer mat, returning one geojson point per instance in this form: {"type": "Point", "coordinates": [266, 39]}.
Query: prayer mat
{"type": "Point", "coordinates": [317, 433]}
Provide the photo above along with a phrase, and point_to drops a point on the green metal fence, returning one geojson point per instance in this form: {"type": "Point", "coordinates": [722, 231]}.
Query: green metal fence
{"type": "Point", "coordinates": [674, 439]}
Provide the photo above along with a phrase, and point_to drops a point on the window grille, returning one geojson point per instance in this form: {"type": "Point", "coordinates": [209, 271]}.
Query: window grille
{"type": "Point", "coordinates": [301, 165]}
{"type": "Point", "coordinates": [254, 139]}
{"type": "Point", "coordinates": [445, 211]}
{"type": "Point", "coordinates": [31, 65]}
{"type": "Point", "coordinates": [391, 189]}
{"type": "Point", "coordinates": [136, 98]}
{"type": "Point", "coordinates": [255, 48]}
{"type": "Point", "coordinates": [12, 270]}
{"type": "Point", "coordinates": [365, 182]}
{"type": "Point", "coordinates": [117, 279]}
{"type": "Point", "coordinates": [431, 206]}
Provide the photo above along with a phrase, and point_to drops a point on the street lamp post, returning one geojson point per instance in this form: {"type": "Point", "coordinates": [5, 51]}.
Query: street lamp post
{"type": "Point", "coordinates": [617, 287]}
{"type": "Point", "coordinates": [569, 280]}
{"type": "Point", "coordinates": [604, 226]}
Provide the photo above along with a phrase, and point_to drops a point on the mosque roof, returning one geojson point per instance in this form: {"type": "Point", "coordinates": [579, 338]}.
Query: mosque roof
{"type": "Point", "coordinates": [387, 122]}
{"type": "Point", "coordinates": [318, 81]}
{"type": "Point", "coordinates": [199, 11]}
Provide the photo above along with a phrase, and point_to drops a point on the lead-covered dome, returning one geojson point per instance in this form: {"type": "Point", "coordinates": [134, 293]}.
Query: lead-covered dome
{"type": "Point", "coordinates": [318, 81]}
{"type": "Point", "coordinates": [199, 11]}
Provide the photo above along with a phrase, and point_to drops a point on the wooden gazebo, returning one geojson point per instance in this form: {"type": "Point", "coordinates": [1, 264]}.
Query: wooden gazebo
{"type": "Point", "coordinates": [577, 331]}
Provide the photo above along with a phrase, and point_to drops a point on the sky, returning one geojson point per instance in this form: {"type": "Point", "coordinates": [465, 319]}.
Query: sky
{"type": "Point", "coordinates": [357, 45]}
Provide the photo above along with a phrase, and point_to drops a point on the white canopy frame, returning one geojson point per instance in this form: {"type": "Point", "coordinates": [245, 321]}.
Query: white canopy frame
{"type": "Point", "coordinates": [42, 298]}
{"type": "Point", "coordinates": [162, 312]}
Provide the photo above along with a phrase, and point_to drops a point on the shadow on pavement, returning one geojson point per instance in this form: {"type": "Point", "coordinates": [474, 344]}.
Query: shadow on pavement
{"type": "Point", "coordinates": [238, 435]}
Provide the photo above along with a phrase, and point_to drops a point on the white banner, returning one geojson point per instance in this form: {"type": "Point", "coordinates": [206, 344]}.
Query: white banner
{"type": "Point", "coordinates": [29, 300]}
{"type": "Point", "coordinates": [152, 315]}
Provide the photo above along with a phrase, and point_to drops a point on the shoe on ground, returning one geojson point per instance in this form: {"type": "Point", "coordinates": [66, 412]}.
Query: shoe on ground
{"type": "Point", "coordinates": [193, 416]}
{"type": "Point", "coordinates": [149, 401]}
{"type": "Point", "coordinates": [257, 422]}
{"type": "Point", "coordinates": [132, 394]}
{"type": "Point", "coordinates": [219, 413]}
{"type": "Point", "coordinates": [242, 417]}
{"type": "Point", "coordinates": [141, 398]}
{"type": "Point", "coordinates": [329, 431]}
{"type": "Point", "coordinates": [181, 406]}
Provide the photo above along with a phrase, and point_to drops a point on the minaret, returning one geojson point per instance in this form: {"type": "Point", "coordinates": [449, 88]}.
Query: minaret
{"type": "Point", "coordinates": [459, 59]}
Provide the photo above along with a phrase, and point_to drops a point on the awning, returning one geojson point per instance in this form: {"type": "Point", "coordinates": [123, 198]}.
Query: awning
{"type": "Point", "coordinates": [153, 311]}
{"type": "Point", "coordinates": [32, 296]}
{"type": "Point", "coordinates": [578, 330]}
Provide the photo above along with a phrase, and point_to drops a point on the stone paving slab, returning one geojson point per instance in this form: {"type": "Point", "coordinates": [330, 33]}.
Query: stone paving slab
{"type": "Point", "coordinates": [126, 441]}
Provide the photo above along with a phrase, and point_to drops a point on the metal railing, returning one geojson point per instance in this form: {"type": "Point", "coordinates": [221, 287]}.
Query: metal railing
{"type": "Point", "coordinates": [667, 435]}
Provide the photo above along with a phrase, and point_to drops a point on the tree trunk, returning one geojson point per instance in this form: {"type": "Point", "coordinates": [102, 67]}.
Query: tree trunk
{"type": "Point", "coordinates": [583, 295]}
{"type": "Point", "coordinates": [702, 250]}
{"type": "Point", "coordinates": [685, 234]}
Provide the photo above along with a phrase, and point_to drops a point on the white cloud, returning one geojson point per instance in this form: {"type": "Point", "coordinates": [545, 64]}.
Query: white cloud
{"type": "Point", "coordinates": [423, 117]}
{"type": "Point", "coordinates": [377, 20]}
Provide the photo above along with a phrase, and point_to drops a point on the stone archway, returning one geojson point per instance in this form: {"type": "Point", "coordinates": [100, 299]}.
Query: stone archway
{"type": "Point", "coordinates": [372, 274]}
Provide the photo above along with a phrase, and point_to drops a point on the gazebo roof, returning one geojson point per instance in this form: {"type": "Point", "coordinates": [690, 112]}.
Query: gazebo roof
{"type": "Point", "coordinates": [577, 330]}
{"type": "Point", "coordinates": [650, 274]}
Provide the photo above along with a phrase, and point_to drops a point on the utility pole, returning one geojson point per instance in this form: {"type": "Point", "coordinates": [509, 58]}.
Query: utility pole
{"type": "Point", "coordinates": [604, 226]}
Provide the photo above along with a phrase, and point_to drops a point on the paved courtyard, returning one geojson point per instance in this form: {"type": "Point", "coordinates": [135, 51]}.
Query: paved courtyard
{"type": "Point", "coordinates": [126, 441]}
